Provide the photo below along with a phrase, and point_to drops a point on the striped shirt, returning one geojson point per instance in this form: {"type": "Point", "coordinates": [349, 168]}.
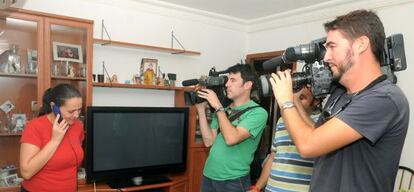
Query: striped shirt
{"type": "Point", "coordinates": [290, 172]}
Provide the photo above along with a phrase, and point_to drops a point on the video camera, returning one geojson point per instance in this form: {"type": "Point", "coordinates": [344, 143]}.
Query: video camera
{"type": "Point", "coordinates": [318, 74]}
{"type": "Point", "coordinates": [213, 81]}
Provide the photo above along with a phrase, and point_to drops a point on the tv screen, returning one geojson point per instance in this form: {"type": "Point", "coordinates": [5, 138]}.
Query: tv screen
{"type": "Point", "coordinates": [125, 142]}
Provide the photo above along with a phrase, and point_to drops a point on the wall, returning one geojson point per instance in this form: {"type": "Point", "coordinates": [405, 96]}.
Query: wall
{"type": "Point", "coordinates": [221, 42]}
{"type": "Point", "coordinates": [396, 18]}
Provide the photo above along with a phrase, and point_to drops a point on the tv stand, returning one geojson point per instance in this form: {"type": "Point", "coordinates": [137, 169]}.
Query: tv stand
{"type": "Point", "coordinates": [176, 183]}
{"type": "Point", "coordinates": [138, 181]}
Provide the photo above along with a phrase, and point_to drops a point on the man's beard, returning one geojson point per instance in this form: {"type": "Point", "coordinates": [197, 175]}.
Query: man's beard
{"type": "Point", "coordinates": [345, 66]}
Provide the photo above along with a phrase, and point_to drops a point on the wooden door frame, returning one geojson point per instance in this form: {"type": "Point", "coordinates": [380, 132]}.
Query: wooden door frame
{"type": "Point", "coordinates": [250, 58]}
{"type": "Point", "coordinates": [274, 111]}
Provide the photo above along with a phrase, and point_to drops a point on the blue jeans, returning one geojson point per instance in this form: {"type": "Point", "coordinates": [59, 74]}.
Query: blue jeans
{"type": "Point", "coordinates": [240, 184]}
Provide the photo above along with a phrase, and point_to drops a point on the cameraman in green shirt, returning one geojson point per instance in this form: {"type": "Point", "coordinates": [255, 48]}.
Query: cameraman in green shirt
{"type": "Point", "coordinates": [233, 143]}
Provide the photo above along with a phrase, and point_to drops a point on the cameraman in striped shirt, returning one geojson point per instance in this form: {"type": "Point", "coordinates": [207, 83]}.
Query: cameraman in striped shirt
{"type": "Point", "coordinates": [284, 169]}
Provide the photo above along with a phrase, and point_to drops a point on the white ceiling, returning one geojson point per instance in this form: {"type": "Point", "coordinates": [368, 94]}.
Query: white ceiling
{"type": "Point", "coordinates": [249, 9]}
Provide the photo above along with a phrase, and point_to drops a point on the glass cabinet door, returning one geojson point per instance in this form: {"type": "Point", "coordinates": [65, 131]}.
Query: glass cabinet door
{"type": "Point", "coordinates": [68, 54]}
{"type": "Point", "coordinates": [20, 45]}
{"type": "Point", "coordinates": [18, 70]}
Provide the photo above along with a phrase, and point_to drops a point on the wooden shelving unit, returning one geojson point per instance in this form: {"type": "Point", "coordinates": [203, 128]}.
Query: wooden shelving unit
{"type": "Point", "coordinates": [136, 86]}
{"type": "Point", "coordinates": [10, 189]}
{"type": "Point", "coordinates": [36, 31]}
{"type": "Point", "coordinates": [144, 47]}
{"type": "Point", "coordinates": [69, 78]}
{"type": "Point", "coordinates": [10, 134]}
{"type": "Point", "coordinates": [18, 75]}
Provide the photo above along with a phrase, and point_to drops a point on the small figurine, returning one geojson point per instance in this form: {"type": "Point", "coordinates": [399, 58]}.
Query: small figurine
{"type": "Point", "coordinates": [114, 79]}
{"type": "Point", "coordinates": [136, 79]}
{"type": "Point", "coordinates": [10, 61]}
{"type": "Point", "coordinates": [149, 74]}
{"type": "Point", "coordinates": [71, 71]}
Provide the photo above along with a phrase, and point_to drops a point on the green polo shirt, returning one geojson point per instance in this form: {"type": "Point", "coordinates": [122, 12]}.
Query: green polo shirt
{"type": "Point", "coordinates": [227, 162]}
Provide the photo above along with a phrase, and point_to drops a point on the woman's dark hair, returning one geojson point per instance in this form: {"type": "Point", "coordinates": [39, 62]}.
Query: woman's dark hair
{"type": "Point", "coordinates": [58, 95]}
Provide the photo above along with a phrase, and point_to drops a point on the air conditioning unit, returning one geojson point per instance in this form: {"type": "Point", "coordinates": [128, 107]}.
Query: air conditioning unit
{"type": "Point", "coordinates": [4, 4]}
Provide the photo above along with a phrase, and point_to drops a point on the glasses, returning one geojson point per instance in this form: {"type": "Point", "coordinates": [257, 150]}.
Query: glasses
{"type": "Point", "coordinates": [327, 112]}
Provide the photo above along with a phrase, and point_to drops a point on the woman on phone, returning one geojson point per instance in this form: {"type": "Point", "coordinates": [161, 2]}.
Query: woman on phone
{"type": "Point", "coordinates": [51, 144]}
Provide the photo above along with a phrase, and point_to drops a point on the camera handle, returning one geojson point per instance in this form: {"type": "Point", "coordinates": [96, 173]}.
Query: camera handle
{"type": "Point", "coordinates": [215, 73]}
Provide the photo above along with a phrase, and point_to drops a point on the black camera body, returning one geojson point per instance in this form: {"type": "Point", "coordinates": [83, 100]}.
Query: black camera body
{"type": "Point", "coordinates": [315, 72]}
{"type": "Point", "coordinates": [318, 74]}
{"type": "Point", "coordinates": [393, 56]}
{"type": "Point", "coordinates": [214, 82]}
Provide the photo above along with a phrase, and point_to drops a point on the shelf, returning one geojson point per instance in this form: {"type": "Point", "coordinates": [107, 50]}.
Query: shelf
{"type": "Point", "coordinates": [135, 86]}
{"type": "Point", "coordinates": [145, 47]}
{"type": "Point", "coordinates": [167, 186]}
{"type": "Point", "coordinates": [5, 134]}
{"type": "Point", "coordinates": [10, 189]}
{"type": "Point", "coordinates": [69, 78]}
{"type": "Point", "coordinates": [18, 75]}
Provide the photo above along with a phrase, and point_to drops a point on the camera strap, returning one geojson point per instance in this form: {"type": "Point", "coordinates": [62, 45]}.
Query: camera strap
{"type": "Point", "coordinates": [373, 83]}
{"type": "Point", "coordinates": [238, 114]}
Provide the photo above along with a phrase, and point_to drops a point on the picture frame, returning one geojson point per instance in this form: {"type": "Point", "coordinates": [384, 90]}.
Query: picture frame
{"type": "Point", "coordinates": [67, 52]}
{"type": "Point", "coordinates": [7, 106]}
{"type": "Point", "coordinates": [149, 64]}
{"type": "Point", "coordinates": [10, 180]}
{"type": "Point", "coordinates": [19, 120]}
{"type": "Point", "coordinates": [31, 61]}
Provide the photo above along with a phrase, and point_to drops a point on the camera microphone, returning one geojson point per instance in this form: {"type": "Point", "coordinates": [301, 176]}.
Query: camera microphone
{"type": "Point", "coordinates": [288, 57]}
{"type": "Point", "coordinates": [190, 82]}
{"type": "Point", "coordinates": [272, 64]}
{"type": "Point", "coordinates": [309, 53]}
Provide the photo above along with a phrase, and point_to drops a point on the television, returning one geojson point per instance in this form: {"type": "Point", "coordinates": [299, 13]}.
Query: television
{"type": "Point", "coordinates": [127, 142]}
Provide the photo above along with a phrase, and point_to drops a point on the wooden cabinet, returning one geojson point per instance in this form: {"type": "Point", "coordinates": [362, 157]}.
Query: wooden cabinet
{"type": "Point", "coordinates": [197, 152]}
{"type": "Point", "coordinates": [198, 156]}
{"type": "Point", "coordinates": [179, 186]}
{"type": "Point", "coordinates": [68, 54]}
{"type": "Point", "coordinates": [178, 183]}
{"type": "Point", "coordinates": [38, 51]}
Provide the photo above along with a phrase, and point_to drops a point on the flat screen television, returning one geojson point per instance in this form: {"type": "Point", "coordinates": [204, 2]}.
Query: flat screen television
{"type": "Point", "coordinates": [126, 142]}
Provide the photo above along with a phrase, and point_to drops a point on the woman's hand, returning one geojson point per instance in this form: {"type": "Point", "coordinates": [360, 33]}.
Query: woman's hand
{"type": "Point", "coordinates": [59, 129]}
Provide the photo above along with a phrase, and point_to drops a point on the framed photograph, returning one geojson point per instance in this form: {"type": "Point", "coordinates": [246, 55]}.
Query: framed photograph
{"type": "Point", "coordinates": [149, 65]}
{"type": "Point", "coordinates": [19, 120]}
{"type": "Point", "coordinates": [10, 180]}
{"type": "Point", "coordinates": [31, 61]}
{"type": "Point", "coordinates": [149, 70]}
{"type": "Point", "coordinates": [67, 52]}
{"type": "Point", "coordinates": [7, 106]}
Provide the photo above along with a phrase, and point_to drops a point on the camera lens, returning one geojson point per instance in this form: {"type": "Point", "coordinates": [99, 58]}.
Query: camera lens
{"type": "Point", "coordinates": [298, 81]}
{"type": "Point", "coordinates": [265, 86]}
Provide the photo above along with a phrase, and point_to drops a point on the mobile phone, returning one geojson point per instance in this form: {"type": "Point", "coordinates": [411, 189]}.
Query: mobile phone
{"type": "Point", "coordinates": [56, 111]}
